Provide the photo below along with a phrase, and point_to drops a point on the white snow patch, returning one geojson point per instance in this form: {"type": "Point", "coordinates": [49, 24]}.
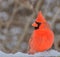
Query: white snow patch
{"type": "Point", "coordinates": [4, 16]}
{"type": "Point", "coordinates": [49, 1]}
{"type": "Point", "coordinates": [3, 37]}
{"type": "Point", "coordinates": [58, 27]}
{"type": "Point", "coordinates": [15, 30]}
{"type": "Point", "coordinates": [46, 53]}
{"type": "Point", "coordinates": [49, 14]}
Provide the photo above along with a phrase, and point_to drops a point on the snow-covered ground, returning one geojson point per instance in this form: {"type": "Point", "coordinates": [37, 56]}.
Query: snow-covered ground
{"type": "Point", "coordinates": [46, 53]}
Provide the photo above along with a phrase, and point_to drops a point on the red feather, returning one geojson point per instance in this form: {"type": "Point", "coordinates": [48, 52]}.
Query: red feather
{"type": "Point", "coordinates": [42, 37]}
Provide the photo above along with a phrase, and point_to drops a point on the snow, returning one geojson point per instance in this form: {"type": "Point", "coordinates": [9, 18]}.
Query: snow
{"type": "Point", "coordinates": [15, 30]}
{"type": "Point", "coordinates": [4, 16]}
{"type": "Point", "coordinates": [46, 53]}
{"type": "Point", "coordinates": [6, 3]}
{"type": "Point", "coordinates": [2, 37]}
{"type": "Point", "coordinates": [58, 26]}
{"type": "Point", "coordinates": [49, 14]}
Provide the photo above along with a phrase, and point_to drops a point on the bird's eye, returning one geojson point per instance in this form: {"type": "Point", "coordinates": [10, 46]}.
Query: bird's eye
{"type": "Point", "coordinates": [38, 23]}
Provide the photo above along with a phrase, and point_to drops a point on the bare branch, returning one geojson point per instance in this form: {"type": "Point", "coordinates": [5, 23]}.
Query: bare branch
{"type": "Point", "coordinates": [27, 26]}
{"type": "Point", "coordinates": [55, 18]}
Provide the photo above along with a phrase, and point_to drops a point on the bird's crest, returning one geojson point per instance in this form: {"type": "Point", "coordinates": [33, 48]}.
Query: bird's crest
{"type": "Point", "coordinates": [40, 18]}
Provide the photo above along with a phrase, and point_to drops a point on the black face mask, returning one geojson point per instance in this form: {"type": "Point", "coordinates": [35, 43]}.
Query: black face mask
{"type": "Point", "coordinates": [37, 26]}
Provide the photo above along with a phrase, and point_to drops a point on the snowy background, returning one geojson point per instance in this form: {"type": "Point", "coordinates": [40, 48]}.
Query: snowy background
{"type": "Point", "coordinates": [16, 17]}
{"type": "Point", "coordinates": [43, 54]}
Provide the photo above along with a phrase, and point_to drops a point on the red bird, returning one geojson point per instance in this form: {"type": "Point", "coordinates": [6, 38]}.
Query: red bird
{"type": "Point", "coordinates": [42, 37]}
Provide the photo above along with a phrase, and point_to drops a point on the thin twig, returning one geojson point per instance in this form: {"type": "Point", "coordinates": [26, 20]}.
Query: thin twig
{"type": "Point", "coordinates": [27, 26]}
{"type": "Point", "coordinates": [38, 5]}
{"type": "Point", "coordinates": [13, 14]}
{"type": "Point", "coordinates": [10, 20]}
{"type": "Point", "coordinates": [54, 18]}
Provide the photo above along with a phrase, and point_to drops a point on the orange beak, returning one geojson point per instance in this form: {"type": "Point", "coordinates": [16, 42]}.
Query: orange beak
{"type": "Point", "coordinates": [34, 24]}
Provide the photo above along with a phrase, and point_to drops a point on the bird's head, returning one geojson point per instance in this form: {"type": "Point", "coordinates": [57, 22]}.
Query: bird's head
{"type": "Point", "coordinates": [39, 20]}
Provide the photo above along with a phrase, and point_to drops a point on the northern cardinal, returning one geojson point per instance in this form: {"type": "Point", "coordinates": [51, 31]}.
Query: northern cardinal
{"type": "Point", "coordinates": [42, 37]}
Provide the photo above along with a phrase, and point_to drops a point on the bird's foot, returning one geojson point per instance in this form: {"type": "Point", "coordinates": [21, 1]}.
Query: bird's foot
{"type": "Point", "coordinates": [31, 52]}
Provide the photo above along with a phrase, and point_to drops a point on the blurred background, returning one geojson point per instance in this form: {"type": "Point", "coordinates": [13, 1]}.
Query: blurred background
{"type": "Point", "coordinates": [16, 17]}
